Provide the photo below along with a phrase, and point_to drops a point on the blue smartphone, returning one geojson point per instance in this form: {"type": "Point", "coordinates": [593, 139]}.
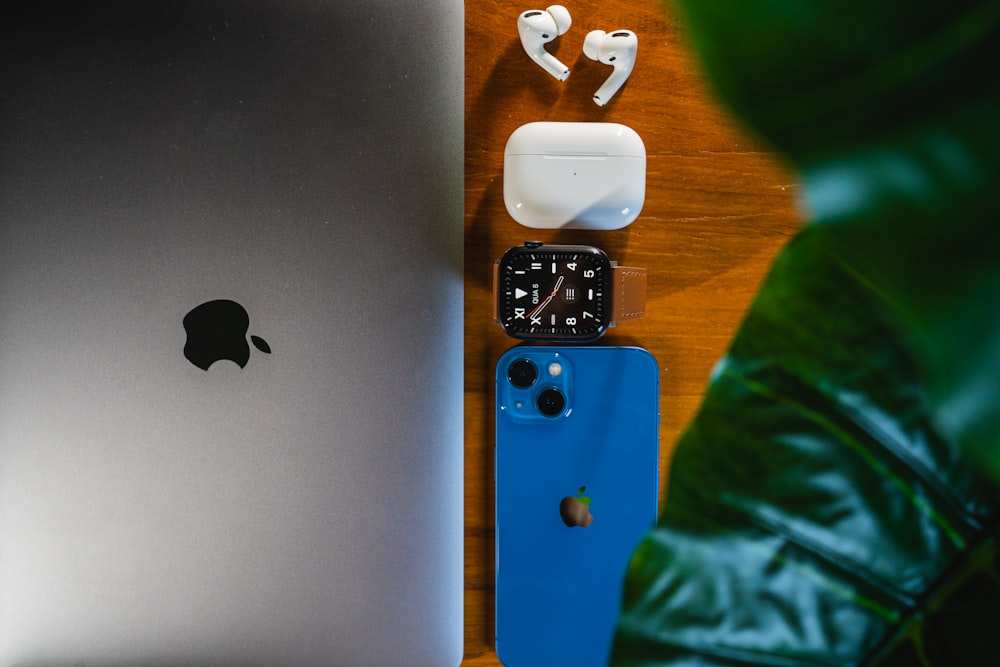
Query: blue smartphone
{"type": "Point", "coordinates": [577, 478]}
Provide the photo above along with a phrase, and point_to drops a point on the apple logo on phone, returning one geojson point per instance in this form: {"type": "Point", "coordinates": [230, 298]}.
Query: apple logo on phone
{"type": "Point", "coordinates": [217, 330]}
{"type": "Point", "coordinates": [575, 510]}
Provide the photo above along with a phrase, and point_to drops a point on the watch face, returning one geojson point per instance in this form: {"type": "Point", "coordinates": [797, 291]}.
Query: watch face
{"type": "Point", "coordinates": [554, 293]}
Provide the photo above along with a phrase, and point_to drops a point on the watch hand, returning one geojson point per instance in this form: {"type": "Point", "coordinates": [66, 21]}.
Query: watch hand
{"type": "Point", "coordinates": [539, 307]}
{"type": "Point", "coordinates": [549, 298]}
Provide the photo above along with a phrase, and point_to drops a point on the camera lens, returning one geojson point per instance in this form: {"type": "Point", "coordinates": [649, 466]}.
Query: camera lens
{"type": "Point", "coordinates": [551, 402]}
{"type": "Point", "coordinates": [522, 373]}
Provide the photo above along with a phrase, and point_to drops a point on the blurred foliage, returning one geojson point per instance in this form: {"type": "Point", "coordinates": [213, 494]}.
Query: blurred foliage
{"type": "Point", "coordinates": [835, 501]}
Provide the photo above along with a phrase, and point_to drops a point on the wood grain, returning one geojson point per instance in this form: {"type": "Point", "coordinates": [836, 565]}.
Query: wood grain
{"type": "Point", "coordinates": [718, 207]}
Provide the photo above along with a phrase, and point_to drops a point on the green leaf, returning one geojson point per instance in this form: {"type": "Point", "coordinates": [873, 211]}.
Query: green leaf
{"type": "Point", "coordinates": [814, 511]}
{"type": "Point", "coordinates": [835, 501]}
{"type": "Point", "coordinates": [824, 77]}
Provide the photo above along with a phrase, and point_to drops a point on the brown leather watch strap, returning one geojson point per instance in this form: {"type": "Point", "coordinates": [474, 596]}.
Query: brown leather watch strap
{"type": "Point", "coordinates": [628, 295]}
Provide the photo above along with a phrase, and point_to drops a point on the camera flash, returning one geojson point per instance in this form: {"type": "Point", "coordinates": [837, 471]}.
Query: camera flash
{"type": "Point", "coordinates": [555, 369]}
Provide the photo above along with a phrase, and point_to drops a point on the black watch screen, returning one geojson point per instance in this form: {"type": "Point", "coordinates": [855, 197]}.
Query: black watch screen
{"type": "Point", "coordinates": [550, 292]}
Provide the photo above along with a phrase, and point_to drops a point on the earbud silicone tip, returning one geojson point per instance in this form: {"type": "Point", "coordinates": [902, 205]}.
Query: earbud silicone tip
{"type": "Point", "coordinates": [592, 43]}
{"type": "Point", "coordinates": [562, 18]}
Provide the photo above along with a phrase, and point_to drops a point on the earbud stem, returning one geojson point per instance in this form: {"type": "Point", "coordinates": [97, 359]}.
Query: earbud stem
{"type": "Point", "coordinates": [550, 64]}
{"type": "Point", "coordinates": [610, 87]}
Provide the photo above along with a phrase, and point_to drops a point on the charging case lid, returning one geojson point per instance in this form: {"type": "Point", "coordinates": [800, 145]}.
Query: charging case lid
{"type": "Point", "coordinates": [574, 175]}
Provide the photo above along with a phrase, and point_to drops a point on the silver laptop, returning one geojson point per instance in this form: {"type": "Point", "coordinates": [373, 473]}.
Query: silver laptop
{"type": "Point", "coordinates": [231, 332]}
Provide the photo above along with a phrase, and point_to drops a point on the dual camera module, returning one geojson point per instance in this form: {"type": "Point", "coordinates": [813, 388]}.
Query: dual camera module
{"type": "Point", "coordinates": [523, 374]}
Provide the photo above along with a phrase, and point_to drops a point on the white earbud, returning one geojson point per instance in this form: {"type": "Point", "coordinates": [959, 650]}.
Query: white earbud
{"type": "Point", "coordinates": [537, 28]}
{"type": "Point", "coordinates": [616, 49]}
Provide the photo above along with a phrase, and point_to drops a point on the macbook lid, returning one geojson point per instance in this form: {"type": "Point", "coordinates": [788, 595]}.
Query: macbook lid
{"type": "Point", "coordinates": [231, 333]}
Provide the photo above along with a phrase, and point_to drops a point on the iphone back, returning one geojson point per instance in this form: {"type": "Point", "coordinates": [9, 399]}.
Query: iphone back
{"type": "Point", "coordinates": [577, 454]}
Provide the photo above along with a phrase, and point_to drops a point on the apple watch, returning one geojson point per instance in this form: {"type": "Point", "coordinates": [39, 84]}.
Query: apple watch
{"type": "Point", "coordinates": [565, 293]}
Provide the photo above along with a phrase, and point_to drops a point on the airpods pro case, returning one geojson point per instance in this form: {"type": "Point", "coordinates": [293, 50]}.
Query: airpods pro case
{"type": "Point", "coordinates": [574, 175]}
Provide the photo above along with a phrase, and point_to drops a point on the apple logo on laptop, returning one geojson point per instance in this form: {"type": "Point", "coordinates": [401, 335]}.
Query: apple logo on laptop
{"type": "Point", "coordinates": [217, 330]}
{"type": "Point", "coordinates": [575, 510]}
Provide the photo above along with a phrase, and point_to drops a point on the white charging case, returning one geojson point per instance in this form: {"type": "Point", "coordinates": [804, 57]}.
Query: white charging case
{"type": "Point", "coordinates": [574, 175]}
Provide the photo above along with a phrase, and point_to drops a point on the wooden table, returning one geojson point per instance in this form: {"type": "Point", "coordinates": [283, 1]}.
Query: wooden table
{"type": "Point", "coordinates": [718, 208]}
